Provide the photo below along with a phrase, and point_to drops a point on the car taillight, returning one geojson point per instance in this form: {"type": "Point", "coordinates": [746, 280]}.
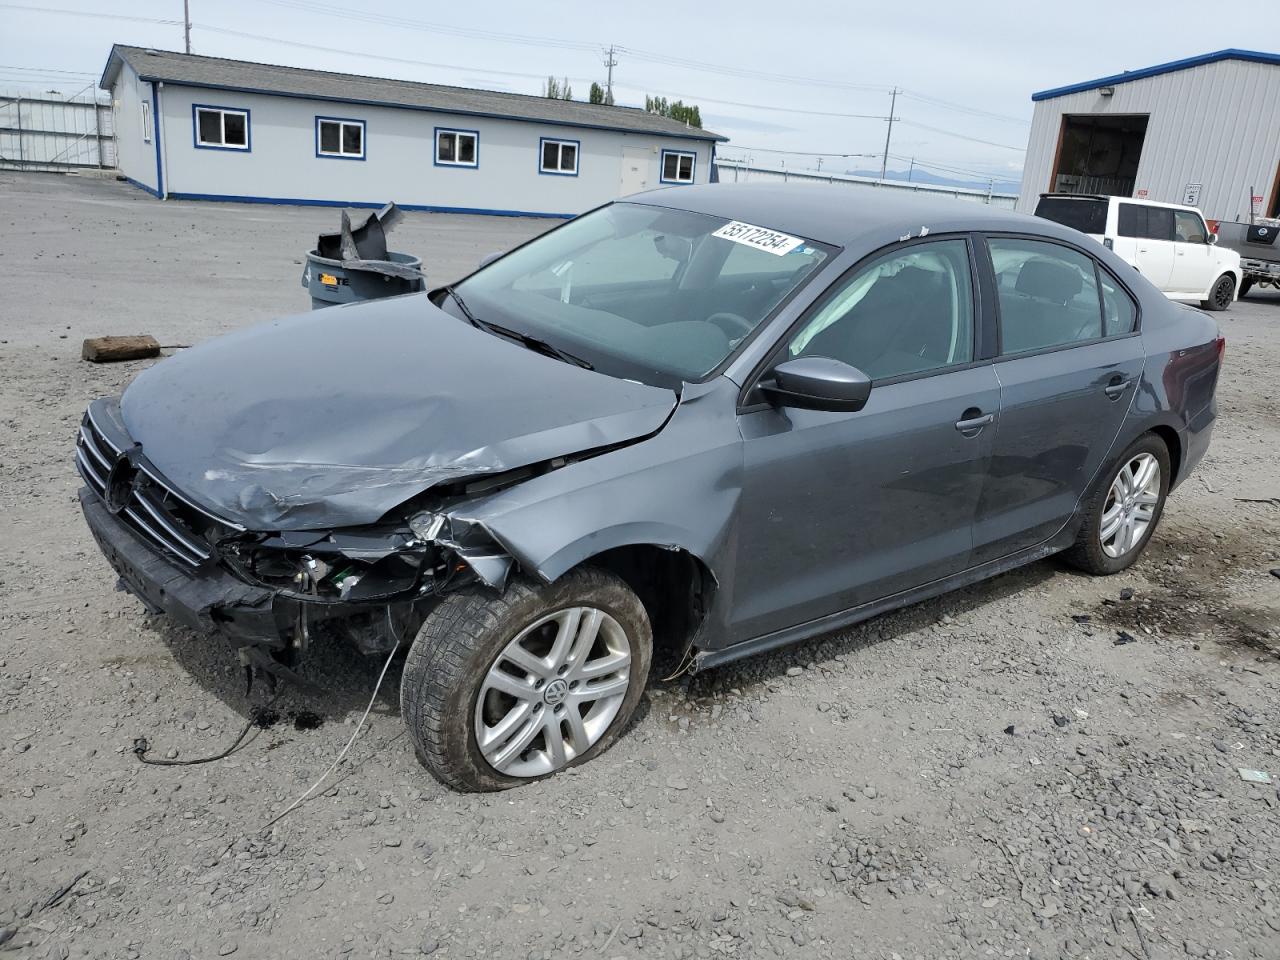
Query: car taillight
{"type": "Point", "coordinates": [1222, 348]}
{"type": "Point", "coordinates": [1213, 226]}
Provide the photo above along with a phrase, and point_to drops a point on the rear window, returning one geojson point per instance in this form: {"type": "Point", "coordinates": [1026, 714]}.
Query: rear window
{"type": "Point", "coordinates": [1087, 216]}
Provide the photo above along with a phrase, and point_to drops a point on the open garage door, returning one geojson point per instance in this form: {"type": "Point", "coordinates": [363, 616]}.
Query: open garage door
{"type": "Point", "coordinates": [1099, 154]}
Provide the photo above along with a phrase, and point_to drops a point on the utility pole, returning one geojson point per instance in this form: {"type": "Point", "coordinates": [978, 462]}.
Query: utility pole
{"type": "Point", "coordinates": [610, 62]}
{"type": "Point", "coordinates": [186, 23]}
{"type": "Point", "coordinates": [911, 169]}
{"type": "Point", "coordinates": [893, 103]}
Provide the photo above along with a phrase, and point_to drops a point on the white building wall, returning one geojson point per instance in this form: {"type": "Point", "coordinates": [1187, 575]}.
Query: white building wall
{"type": "Point", "coordinates": [135, 157]}
{"type": "Point", "coordinates": [1217, 125]}
{"type": "Point", "coordinates": [399, 151]}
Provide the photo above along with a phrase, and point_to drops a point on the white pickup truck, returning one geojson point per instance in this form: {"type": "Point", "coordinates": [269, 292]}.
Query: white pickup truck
{"type": "Point", "coordinates": [1169, 244]}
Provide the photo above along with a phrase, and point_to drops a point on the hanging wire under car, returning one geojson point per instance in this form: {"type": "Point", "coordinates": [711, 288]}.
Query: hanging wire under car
{"type": "Point", "coordinates": [256, 720]}
{"type": "Point", "coordinates": [359, 726]}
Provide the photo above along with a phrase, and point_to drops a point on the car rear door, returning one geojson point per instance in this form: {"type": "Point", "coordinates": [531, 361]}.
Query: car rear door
{"type": "Point", "coordinates": [1193, 260]}
{"type": "Point", "coordinates": [1069, 362]}
{"type": "Point", "coordinates": [842, 508]}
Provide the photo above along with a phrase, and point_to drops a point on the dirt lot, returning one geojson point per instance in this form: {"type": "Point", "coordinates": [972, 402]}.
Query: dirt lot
{"type": "Point", "coordinates": [991, 774]}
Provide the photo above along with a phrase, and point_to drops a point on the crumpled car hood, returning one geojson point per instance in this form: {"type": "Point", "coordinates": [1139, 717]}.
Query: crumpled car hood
{"type": "Point", "coordinates": [332, 418]}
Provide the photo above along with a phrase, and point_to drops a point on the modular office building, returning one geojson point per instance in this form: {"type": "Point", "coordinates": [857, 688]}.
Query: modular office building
{"type": "Point", "coordinates": [207, 128]}
{"type": "Point", "coordinates": [1204, 131]}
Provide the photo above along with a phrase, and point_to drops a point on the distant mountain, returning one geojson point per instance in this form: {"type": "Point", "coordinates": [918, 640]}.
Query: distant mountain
{"type": "Point", "coordinates": [920, 175]}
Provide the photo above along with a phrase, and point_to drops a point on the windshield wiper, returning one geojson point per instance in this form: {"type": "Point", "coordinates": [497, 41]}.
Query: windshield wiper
{"type": "Point", "coordinates": [525, 339]}
{"type": "Point", "coordinates": [536, 344]}
{"type": "Point", "coordinates": [462, 305]}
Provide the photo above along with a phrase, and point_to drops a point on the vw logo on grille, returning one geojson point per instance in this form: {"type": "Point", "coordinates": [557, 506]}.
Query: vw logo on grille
{"type": "Point", "coordinates": [120, 482]}
{"type": "Point", "coordinates": [555, 693]}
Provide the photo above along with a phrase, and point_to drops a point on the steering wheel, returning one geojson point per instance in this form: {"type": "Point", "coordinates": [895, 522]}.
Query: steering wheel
{"type": "Point", "coordinates": [735, 327]}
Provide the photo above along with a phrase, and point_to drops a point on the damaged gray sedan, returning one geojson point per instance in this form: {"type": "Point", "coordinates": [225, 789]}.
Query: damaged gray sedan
{"type": "Point", "coordinates": [701, 423]}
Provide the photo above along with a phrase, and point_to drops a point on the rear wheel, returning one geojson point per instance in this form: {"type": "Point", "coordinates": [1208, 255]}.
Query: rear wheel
{"type": "Point", "coordinates": [501, 690]}
{"type": "Point", "coordinates": [1122, 514]}
{"type": "Point", "coordinates": [1222, 295]}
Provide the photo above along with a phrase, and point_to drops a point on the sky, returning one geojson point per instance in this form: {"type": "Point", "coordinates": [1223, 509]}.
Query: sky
{"type": "Point", "coordinates": [782, 81]}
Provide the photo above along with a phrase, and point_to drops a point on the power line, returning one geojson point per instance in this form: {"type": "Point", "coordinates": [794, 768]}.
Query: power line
{"type": "Point", "coordinates": [86, 13]}
{"type": "Point", "coordinates": [962, 136]}
{"type": "Point", "coordinates": [922, 98]}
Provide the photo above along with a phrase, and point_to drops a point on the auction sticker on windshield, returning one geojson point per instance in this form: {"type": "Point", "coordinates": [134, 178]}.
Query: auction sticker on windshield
{"type": "Point", "coordinates": [769, 241]}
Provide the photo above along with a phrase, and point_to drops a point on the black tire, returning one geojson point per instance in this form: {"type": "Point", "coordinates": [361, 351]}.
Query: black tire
{"type": "Point", "coordinates": [1087, 553]}
{"type": "Point", "coordinates": [461, 638]}
{"type": "Point", "coordinates": [1245, 287]}
{"type": "Point", "coordinates": [1221, 295]}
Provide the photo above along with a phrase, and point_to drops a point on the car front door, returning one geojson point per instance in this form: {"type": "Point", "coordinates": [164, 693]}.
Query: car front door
{"type": "Point", "coordinates": [1070, 361]}
{"type": "Point", "coordinates": [1193, 259]}
{"type": "Point", "coordinates": [841, 508]}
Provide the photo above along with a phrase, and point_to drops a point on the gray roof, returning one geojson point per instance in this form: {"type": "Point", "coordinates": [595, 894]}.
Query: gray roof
{"type": "Point", "coordinates": [245, 76]}
{"type": "Point", "coordinates": [843, 216]}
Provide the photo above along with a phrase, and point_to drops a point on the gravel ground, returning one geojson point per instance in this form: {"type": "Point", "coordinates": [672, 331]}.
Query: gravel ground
{"type": "Point", "coordinates": [997, 773]}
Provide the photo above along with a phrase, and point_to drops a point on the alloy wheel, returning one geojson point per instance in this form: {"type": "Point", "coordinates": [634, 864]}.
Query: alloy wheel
{"type": "Point", "coordinates": [552, 692]}
{"type": "Point", "coordinates": [1130, 506]}
{"type": "Point", "coordinates": [1222, 293]}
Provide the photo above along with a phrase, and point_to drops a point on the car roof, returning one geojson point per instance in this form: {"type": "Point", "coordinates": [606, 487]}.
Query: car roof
{"type": "Point", "coordinates": [840, 216]}
{"type": "Point", "coordinates": [1138, 200]}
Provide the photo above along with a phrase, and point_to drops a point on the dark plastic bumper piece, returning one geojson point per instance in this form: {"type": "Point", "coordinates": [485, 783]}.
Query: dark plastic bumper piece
{"type": "Point", "coordinates": [207, 599]}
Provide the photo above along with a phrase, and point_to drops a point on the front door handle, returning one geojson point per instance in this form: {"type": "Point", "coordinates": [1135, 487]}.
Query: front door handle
{"type": "Point", "coordinates": [972, 424]}
{"type": "Point", "coordinates": [1116, 387]}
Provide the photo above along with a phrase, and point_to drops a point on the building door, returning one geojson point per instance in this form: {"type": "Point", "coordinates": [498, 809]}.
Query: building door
{"type": "Point", "coordinates": [635, 170]}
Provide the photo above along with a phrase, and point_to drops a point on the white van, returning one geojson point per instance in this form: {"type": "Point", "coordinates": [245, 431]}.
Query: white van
{"type": "Point", "coordinates": [1169, 244]}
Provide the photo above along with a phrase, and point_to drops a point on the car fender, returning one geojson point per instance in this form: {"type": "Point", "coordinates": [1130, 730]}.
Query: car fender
{"type": "Point", "coordinates": [678, 490]}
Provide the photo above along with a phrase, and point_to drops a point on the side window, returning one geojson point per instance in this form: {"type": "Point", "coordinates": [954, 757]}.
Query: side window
{"type": "Point", "coordinates": [1133, 220]}
{"type": "Point", "coordinates": [1119, 315]}
{"type": "Point", "coordinates": [906, 312]}
{"type": "Point", "coordinates": [1159, 223]}
{"type": "Point", "coordinates": [1188, 227]}
{"type": "Point", "coordinates": [1048, 295]}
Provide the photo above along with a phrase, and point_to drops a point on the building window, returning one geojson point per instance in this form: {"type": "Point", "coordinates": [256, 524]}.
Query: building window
{"type": "Point", "coordinates": [146, 121]}
{"type": "Point", "coordinates": [457, 148]}
{"type": "Point", "coordinates": [558, 157]}
{"type": "Point", "coordinates": [221, 128]}
{"type": "Point", "coordinates": [338, 138]}
{"type": "Point", "coordinates": [677, 166]}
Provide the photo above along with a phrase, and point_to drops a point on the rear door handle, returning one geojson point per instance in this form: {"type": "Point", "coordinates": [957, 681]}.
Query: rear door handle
{"type": "Point", "coordinates": [974, 423]}
{"type": "Point", "coordinates": [1116, 387]}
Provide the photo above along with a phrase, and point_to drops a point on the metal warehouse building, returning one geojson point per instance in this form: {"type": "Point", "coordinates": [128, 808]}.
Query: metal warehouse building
{"type": "Point", "coordinates": [206, 128]}
{"type": "Point", "coordinates": [1204, 131]}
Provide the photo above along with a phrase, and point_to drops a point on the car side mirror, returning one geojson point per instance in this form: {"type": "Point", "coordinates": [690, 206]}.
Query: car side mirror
{"type": "Point", "coordinates": [817, 383]}
{"type": "Point", "coordinates": [489, 259]}
{"type": "Point", "coordinates": [1213, 239]}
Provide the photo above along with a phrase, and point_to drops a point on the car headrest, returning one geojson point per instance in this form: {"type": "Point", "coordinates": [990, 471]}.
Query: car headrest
{"type": "Point", "coordinates": [1048, 280]}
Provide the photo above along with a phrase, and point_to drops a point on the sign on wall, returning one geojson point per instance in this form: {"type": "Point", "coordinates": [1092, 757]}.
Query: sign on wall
{"type": "Point", "coordinates": [1191, 196]}
{"type": "Point", "coordinates": [1142, 194]}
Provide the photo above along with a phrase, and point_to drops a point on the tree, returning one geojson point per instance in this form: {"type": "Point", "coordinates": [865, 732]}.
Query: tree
{"type": "Point", "coordinates": [557, 89]}
{"type": "Point", "coordinates": [596, 94]}
{"type": "Point", "coordinates": [678, 110]}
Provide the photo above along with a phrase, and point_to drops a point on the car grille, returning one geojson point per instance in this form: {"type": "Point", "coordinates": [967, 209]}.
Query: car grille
{"type": "Point", "coordinates": [162, 515]}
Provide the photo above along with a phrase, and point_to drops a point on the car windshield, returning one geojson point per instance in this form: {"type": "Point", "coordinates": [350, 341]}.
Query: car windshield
{"type": "Point", "coordinates": [643, 292]}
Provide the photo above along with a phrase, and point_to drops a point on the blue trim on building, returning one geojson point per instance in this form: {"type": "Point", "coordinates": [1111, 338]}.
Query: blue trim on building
{"type": "Point", "coordinates": [435, 148]}
{"type": "Point", "coordinates": [693, 167]}
{"type": "Point", "coordinates": [142, 186]}
{"type": "Point", "coordinates": [155, 135]}
{"type": "Point", "coordinates": [1252, 56]}
{"type": "Point", "coordinates": [364, 138]}
{"type": "Point", "coordinates": [195, 128]}
{"type": "Point", "coordinates": [365, 204]}
{"type": "Point", "coordinates": [452, 112]}
{"type": "Point", "coordinates": [577, 157]}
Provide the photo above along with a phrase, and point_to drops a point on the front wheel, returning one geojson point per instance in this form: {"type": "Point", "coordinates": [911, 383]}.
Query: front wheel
{"type": "Point", "coordinates": [1222, 295]}
{"type": "Point", "coordinates": [1121, 515]}
{"type": "Point", "coordinates": [501, 690]}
